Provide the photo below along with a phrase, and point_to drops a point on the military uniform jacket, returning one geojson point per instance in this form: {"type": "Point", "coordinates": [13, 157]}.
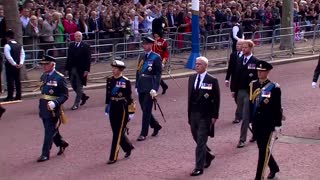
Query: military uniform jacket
{"type": "Point", "coordinates": [265, 105]}
{"type": "Point", "coordinates": [148, 73]}
{"type": "Point", "coordinates": [207, 100]}
{"type": "Point", "coordinates": [118, 88]}
{"type": "Point", "coordinates": [53, 86]}
{"type": "Point", "coordinates": [160, 47]}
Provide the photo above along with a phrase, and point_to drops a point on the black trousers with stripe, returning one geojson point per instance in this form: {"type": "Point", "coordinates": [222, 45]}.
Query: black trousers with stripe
{"type": "Point", "coordinates": [118, 119]}
{"type": "Point", "coordinates": [263, 141]}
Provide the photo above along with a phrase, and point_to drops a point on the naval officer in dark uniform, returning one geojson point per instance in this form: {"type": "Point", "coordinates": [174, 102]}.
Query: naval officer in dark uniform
{"type": "Point", "coordinates": [120, 109]}
{"type": "Point", "coordinates": [203, 111]}
{"type": "Point", "coordinates": [148, 78]}
{"type": "Point", "coordinates": [54, 93]}
{"type": "Point", "coordinates": [266, 116]}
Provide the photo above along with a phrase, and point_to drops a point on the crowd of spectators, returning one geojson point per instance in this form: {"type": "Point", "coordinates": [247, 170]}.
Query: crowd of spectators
{"type": "Point", "coordinates": [49, 20]}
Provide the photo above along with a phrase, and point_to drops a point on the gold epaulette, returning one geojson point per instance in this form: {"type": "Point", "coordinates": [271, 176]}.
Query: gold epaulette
{"type": "Point", "coordinates": [124, 77]}
{"type": "Point", "coordinates": [60, 73]}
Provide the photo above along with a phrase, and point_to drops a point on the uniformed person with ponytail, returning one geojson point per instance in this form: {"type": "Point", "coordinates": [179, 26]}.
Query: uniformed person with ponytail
{"type": "Point", "coordinates": [120, 108]}
{"type": "Point", "coordinates": [266, 116]}
{"type": "Point", "coordinates": [54, 92]}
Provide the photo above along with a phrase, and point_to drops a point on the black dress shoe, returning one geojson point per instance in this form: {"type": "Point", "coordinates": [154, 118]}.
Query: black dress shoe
{"type": "Point", "coordinates": [75, 107]}
{"type": "Point", "coordinates": [111, 161]}
{"type": "Point", "coordinates": [62, 148]}
{"type": "Point", "coordinates": [253, 139]}
{"type": "Point", "coordinates": [8, 99]}
{"type": "Point", "coordinates": [141, 138]}
{"type": "Point", "coordinates": [2, 110]}
{"type": "Point", "coordinates": [156, 130]}
{"type": "Point", "coordinates": [84, 100]}
{"type": "Point", "coordinates": [164, 89]}
{"type": "Point", "coordinates": [43, 158]}
{"type": "Point", "coordinates": [236, 121]}
{"type": "Point", "coordinates": [17, 98]}
{"type": "Point", "coordinates": [208, 161]}
{"type": "Point", "coordinates": [272, 174]}
{"type": "Point", "coordinates": [129, 152]}
{"type": "Point", "coordinates": [241, 144]}
{"type": "Point", "coordinates": [196, 172]}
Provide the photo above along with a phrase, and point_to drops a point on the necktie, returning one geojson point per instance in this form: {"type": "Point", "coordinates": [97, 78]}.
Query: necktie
{"type": "Point", "coordinates": [245, 61]}
{"type": "Point", "coordinates": [198, 82]}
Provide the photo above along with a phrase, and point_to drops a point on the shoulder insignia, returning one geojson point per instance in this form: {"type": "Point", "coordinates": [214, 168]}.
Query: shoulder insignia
{"type": "Point", "coordinates": [157, 54]}
{"type": "Point", "coordinates": [124, 77]}
{"type": "Point", "coordinates": [276, 85]}
{"type": "Point", "coordinates": [60, 73]}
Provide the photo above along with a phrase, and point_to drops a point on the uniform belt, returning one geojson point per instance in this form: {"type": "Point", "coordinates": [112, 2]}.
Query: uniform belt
{"type": "Point", "coordinates": [48, 97]}
{"type": "Point", "coordinates": [117, 98]}
{"type": "Point", "coordinates": [146, 75]}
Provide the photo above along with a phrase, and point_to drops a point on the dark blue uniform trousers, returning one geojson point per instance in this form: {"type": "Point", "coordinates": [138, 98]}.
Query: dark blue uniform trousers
{"type": "Point", "coordinates": [51, 134]}
{"type": "Point", "coordinates": [146, 104]}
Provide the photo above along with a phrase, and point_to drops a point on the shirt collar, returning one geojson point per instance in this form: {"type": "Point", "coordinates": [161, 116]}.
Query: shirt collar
{"type": "Point", "coordinates": [50, 73]}
{"type": "Point", "coordinates": [202, 75]}
{"type": "Point", "coordinates": [248, 57]}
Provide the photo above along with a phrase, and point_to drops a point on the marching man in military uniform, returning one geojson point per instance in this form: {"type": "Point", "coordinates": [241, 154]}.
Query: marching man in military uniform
{"type": "Point", "coordinates": [120, 109]}
{"type": "Point", "coordinates": [54, 93]}
{"type": "Point", "coordinates": [266, 116]}
{"type": "Point", "coordinates": [160, 47]}
{"type": "Point", "coordinates": [148, 78]}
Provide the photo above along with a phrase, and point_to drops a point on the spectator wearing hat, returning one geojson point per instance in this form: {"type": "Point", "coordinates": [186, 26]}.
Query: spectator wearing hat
{"type": "Point", "coordinates": [54, 92]}
{"type": "Point", "coordinates": [236, 33]}
{"type": "Point", "coordinates": [15, 57]}
{"type": "Point", "coordinates": [120, 109]}
{"type": "Point", "coordinates": [78, 68]}
{"type": "Point", "coordinates": [266, 116]}
{"type": "Point", "coordinates": [160, 47]}
{"type": "Point", "coordinates": [148, 78]}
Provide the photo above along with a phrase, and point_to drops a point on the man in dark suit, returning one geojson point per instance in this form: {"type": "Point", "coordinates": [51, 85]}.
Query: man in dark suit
{"type": "Point", "coordinates": [78, 67]}
{"type": "Point", "coordinates": [148, 78]}
{"type": "Point", "coordinates": [235, 57]}
{"type": "Point", "coordinates": [54, 92]}
{"type": "Point", "coordinates": [245, 73]}
{"type": "Point", "coordinates": [171, 18]}
{"type": "Point", "coordinates": [203, 111]}
{"type": "Point", "coordinates": [266, 116]}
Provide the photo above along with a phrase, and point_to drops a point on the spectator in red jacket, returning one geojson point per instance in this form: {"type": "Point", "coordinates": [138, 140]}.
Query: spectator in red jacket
{"type": "Point", "coordinates": [70, 27]}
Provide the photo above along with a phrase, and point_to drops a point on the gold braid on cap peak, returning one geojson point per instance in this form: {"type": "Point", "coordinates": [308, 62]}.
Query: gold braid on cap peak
{"type": "Point", "coordinates": [132, 108]}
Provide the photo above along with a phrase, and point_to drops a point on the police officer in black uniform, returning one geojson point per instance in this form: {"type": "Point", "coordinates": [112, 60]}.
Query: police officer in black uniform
{"type": "Point", "coordinates": [148, 78]}
{"type": "Point", "coordinates": [120, 109]}
{"type": "Point", "coordinates": [54, 92]}
{"type": "Point", "coordinates": [266, 116]}
{"type": "Point", "coordinates": [236, 33]}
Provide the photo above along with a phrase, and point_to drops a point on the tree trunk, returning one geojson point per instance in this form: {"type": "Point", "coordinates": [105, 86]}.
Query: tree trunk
{"type": "Point", "coordinates": [287, 39]}
{"type": "Point", "coordinates": [13, 22]}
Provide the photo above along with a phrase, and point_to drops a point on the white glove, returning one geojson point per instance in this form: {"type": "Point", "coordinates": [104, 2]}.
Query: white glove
{"type": "Point", "coordinates": [51, 105]}
{"type": "Point", "coordinates": [163, 65]}
{"type": "Point", "coordinates": [277, 129]}
{"type": "Point", "coordinates": [153, 93]}
{"type": "Point", "coordinates": [137, 91]}
{"type": "Point", "coordinates": [131, 116]}
{"type": "Point", "coordinates": [314, 85]}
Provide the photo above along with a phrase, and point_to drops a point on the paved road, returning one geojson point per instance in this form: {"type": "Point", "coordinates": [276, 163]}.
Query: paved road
{"type": "Point", "coordinates": [171, 154]}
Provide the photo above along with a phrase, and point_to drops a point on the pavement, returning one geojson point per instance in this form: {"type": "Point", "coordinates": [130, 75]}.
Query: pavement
{"type": "Point", "coordinates": [171, 154]}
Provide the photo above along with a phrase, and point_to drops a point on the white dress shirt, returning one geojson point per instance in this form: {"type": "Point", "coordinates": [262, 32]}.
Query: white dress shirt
{"type": "Point", "coordinates": [244, 58]}
{"type": "Point", "coordinates": [202, 75]}
{"type": "Point", "coordinates": [8, 56]}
